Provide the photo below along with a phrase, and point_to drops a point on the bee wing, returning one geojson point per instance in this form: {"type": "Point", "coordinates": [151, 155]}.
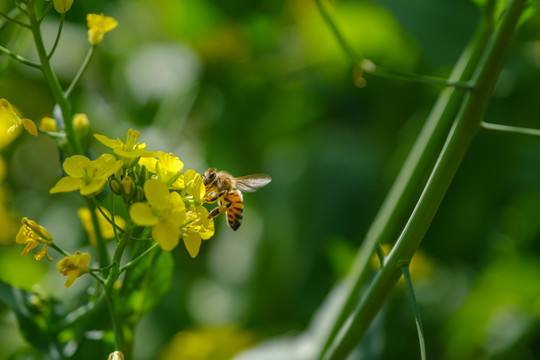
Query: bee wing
{"type": "Point", "coordinates": [251, 183]}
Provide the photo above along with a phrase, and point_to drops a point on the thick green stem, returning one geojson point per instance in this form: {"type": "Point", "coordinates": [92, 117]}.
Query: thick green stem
{"type": "Point", "coordinates": [399, 201]}
{"type": "Point", "coordinates": [109, 287]}
{"type": "Point", "coordinates": [52, 80]}
{"type": "Point", "coordinates": [461, 135]}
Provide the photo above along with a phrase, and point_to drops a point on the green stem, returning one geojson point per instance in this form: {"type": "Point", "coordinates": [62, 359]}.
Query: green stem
{"type": "Point", "coordinates": [82, 70]}
{"type": "Point", "coordinates": [109, 220]}
{"type": "Point", "coordinates": [58, 33]}
{"type": "Point", "coordinates": [52, 80]}
{"type": "Point", "coordinates": [399, 201]}
{"type": "Point", "coordinates": [461, 135]}
{"type": "Point", "coordinates": [19, 58]}
{"type": "Point", "coordinates": [109, 286]}
{"type": "Point", "coordinates": [138, 258]}
{"type": "Point", "coordinates": [510, 129]}
{"type": "Point", "coordinates": [9, 18]}
{"type": "Point", "coordinates": [101, 246]}
{"type": "Point", "coordinates": [59, 249]}
{"type": "Point", "coordinates": [78, 314]}
{"type": "Point", "coordinates": [416, 312]}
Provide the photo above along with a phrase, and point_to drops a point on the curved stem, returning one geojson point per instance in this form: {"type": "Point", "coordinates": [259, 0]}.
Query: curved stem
{"type": "Point", "coordinates": [138, 258]}
{"type": "Point", "coordinates": [52, 80]}
{"type": "Point", "coordinates": [15, 21]}
{"type": "Point", "coordinates": [400, 199]}
{"type": "Point", "coordinates": [102, 247]}
{"type": "Point", "coordinates": [461, 135]}
{"type": "Point", "coordinates": [58, 33]}
{"type": "Point", "coordinates": [20, 58]}
{"type": "Point", "coordinates": [82, 70]}
{"type": "Point", "coordinates": [416, 312]}
{"type": "Point", "coordinates": [510, 129]}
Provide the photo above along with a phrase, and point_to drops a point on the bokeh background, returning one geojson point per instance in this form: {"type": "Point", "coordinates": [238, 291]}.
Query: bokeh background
{"type": "Point", "coordinates": [262, 87]}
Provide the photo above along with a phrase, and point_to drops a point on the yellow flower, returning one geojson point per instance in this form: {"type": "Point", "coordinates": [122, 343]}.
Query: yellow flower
{"type": "Point", "coordinates": [74, 266]}
{"type": "Point", "coordinates": [117, 355]}
{"type": "Point", "coordinates": [10, 124]}
{"type": "Point", "coordinates": [129, 152]}
{"type": "Point", "coordinates": [199, 227]}
{"type": "Point", "coordinates": [167, 167]}
{"type": "Point", "coordinates": [165, 212]}
{"type": "Point", "coordinates": [62, 6]}
{"type": "Point", "coordinates": [32, 234]}
{"type": "Point", "coordinates": [85, 175]}
{"type": "Point", "coordinates": [98, 25]}
{"type": "Point", "coordinates": [195, 188]}
{"type": "Point", "coordinates": [48, 124]}
{"type": "Point", "coordinates": [81, 124]}
{"type": "Point", "coordinates": [105, 226]}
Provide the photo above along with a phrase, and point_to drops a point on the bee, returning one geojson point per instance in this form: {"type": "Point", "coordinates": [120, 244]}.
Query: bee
{"type": "Point", "coordinates": [227, 191]}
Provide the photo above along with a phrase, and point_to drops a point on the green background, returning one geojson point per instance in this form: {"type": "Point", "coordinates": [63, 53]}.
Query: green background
{"type": "Point", "coordinates": [262, 87]}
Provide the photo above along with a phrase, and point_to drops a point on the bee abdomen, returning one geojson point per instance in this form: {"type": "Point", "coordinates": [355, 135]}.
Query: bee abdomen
{"type": "Point", "coordinates": [235, 214]}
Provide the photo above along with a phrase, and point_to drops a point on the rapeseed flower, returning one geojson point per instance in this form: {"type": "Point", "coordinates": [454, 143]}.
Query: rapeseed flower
{"type": "Point", "coordinates": [167, 167]}
{"type": "Point", "coordinates": [74, 266]}
{"type": "Point", "coordinates": [164, 211]}
{"type": "Point", "coordinates": [32, 234]}
{"type": "Point", "coordinates": [199, 227]}
{"type": "Point", "coordinates": [85, 175]}
{"type": "Point", "coordinates": [129, 152]}
{"type": "Point", "coordinates": [99, 25]}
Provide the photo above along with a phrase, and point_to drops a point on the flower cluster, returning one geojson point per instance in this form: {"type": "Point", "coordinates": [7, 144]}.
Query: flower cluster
{"type": "Point", "coordinates": [152, 185]}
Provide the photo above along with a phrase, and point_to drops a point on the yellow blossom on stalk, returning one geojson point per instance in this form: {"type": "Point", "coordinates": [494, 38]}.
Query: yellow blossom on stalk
{"type": "Point", "coordinates": [194, 188]}
{"type": "Point", "coordinates": [105, 226]}
{"type": "Point", "coordinates": [32, 234]}
{"type": "Point", "coordinates": [48, 124]}
{"type": "Point", "coordinates": [98, 25]}
{"type": "Point", "coordinates": [85, 175]}
{"type": "Point", "coordinates": [129, 152]}
{"type": "Point", "coordinates": [81, 124]}
{"type": "Point", "coordinates": [62, 6]}
{"type": "Point", "coordinates": [199, 227]}
{"type": "Point", "coordinates": [10, 124]}
{"type": "Point", "coordinates": [167, 167]}
{"type": "Point", "coordinates": [74, 266]}
{"type": "Point", "coordinates": [165, 212]}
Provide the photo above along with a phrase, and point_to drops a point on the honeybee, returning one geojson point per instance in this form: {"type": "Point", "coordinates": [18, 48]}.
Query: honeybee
{"type": "Point", "coordinates": [227, 191]}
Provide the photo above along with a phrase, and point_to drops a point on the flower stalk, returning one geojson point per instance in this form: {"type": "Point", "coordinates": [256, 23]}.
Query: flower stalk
{"type": "Point", "coordinates": [462, 133]}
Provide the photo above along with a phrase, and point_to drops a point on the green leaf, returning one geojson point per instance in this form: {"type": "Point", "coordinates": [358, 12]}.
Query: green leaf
{"type": "Point", "coordinates": [36, 315]}
{"type": "Point", "coordinates": [145, 284]}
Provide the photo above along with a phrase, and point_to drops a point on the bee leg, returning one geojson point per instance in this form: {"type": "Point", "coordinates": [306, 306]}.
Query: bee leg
{"type": "Point", "coordinates": [212, 197]}
{"type": "Point", "coordinates": [220, 209]}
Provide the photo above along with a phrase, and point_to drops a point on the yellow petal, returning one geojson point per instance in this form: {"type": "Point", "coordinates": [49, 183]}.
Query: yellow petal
{"type": "Point", "coordinates": [156, 193]}
{"type": "Point", "coordinates": [67, 184]}
{"type": "Point", "coordinates": [75, 165]}
{"type": "Point", "coordinates": [94, 187]}
{"type": "Point", "coordinates": [192, 241]}
{"type": "Point", "coordinates": [142, 215]}
{"type": "Point", "coordinates": [30, 126]}
{"type": "Point", "coordinates": [196, 187]}
{"type": "Point", "coordinates": [166, 234]}
{"type": "Point", "coordinates": [110, 143]}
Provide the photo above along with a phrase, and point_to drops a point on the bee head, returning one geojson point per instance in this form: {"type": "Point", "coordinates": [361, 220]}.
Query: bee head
{"type": "Point", "coordinates": [209, 176]}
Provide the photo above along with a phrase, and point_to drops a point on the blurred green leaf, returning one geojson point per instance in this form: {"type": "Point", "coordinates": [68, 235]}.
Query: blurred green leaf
{"type": "Point", "coordinates": [145, 284]}
{"type": "Point", "coordinates": [36, 315]}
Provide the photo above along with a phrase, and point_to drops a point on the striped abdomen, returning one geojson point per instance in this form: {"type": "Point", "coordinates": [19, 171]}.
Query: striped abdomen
{"type": "Point", "coordinates": [235, 211]}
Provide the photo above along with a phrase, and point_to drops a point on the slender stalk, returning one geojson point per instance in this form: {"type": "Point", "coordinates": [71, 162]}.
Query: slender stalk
{"type": "Point", "coordinates": [58, 33]}
{"type": "Point", "coordinates": [59, 249]}
{"type": "Point", "coordinates": [138, 258]}
{"type": "Point", "coordinates": [359, 60]}
{"type": "Point", "coordinates": [101, 246]}
{"type": "Point", "coordinates": [109, 286]}
{"type": "Point", "coordinates": [416, 312]}
{"type": "Point", "coordinates": [398, 203]}
{"type": "Point", "coordinates": [78, 314]}
{"type": "Point", "coordinates": [109, 220]}
{"type": "Point", "coordinates": [82, 70]}
{"type": "Point", "coordinates": [510, 129]}
{"type": "Point", "coordinates": [52, 80]}
{"type": "Point", "coordinates": [461, 135]}
{"type": "Point", "coordinates": [15, 21]}
{"type": "Point", "coordinates": [20, 58]}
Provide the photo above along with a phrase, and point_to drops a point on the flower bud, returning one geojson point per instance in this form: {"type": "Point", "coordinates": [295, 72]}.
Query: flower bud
{"type": "Point", "coordinates": [48, 124]}
{"type": "Point", "coordinates": [81, 124]}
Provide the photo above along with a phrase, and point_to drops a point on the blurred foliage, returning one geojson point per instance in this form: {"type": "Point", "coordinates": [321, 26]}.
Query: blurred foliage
{"type": "Point", "coordinates": [262, 87]}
